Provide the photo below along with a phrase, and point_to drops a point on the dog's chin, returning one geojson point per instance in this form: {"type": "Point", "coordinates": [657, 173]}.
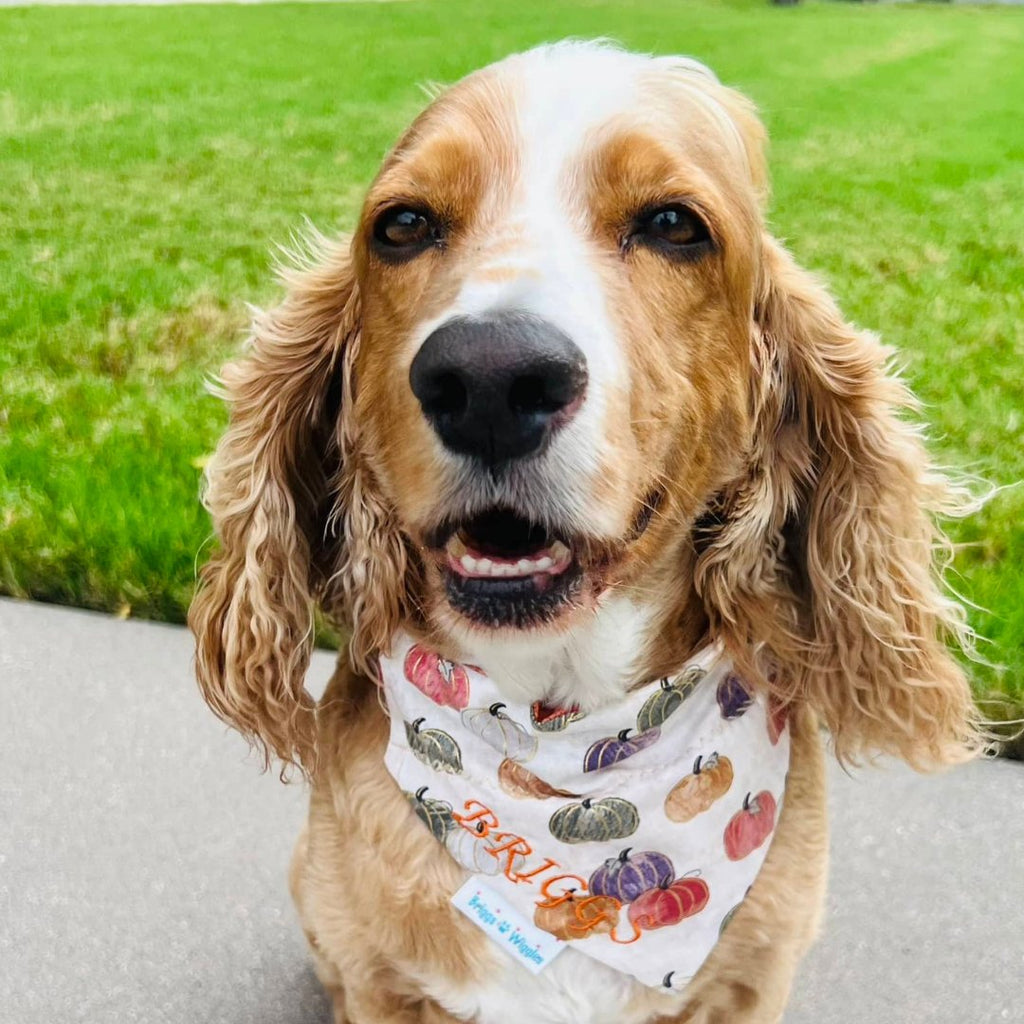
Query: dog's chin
{"type": "Point", "coordinates": [502, 571]}
{"type": "Point", "coordinates": [528, 603]}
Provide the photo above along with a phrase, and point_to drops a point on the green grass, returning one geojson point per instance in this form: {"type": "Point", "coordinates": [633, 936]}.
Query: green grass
{"type": "Point", "coordinates": [149, 158]}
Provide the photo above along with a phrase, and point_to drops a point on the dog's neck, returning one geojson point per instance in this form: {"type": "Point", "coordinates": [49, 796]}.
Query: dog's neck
{"type": "Point", "coordinates": [591, 665]}
{"type": "Point", "coordinates": [635, 635]}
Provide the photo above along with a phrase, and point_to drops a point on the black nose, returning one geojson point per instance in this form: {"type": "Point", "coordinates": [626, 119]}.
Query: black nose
{"type": "Point", "coordinates": [497, 386]}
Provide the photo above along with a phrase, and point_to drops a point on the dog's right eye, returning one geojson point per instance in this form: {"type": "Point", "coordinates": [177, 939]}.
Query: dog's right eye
{"type": "Point", "coordinates": [675, 231]}
{"type": "Point", "coordinates": [402, 232]}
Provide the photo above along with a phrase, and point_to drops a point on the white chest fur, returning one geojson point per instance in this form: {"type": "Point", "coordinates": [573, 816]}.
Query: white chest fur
{"type": "Point", "coordinates": [591, 666]}
{"type": "Point", "coordinates": [573, 989]}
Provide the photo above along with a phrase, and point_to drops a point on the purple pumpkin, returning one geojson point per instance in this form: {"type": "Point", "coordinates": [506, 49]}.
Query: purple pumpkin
{"type": "Point", "coordinates": [626, 877]}
{"type": "Point", "coordinates": [612, 749]}
{"type": "Point", "coordinates": [733, 698]}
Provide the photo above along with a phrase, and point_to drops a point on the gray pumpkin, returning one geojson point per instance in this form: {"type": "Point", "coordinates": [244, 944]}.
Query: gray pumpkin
{"type": "Point", "coordinates": [434, 747]}
{"type": "Point", "coordinates": [594, 821]}
{"type": "Point", "coordinates": [667, 699]}
{"type": "Point", "coordinates": [435, 814]}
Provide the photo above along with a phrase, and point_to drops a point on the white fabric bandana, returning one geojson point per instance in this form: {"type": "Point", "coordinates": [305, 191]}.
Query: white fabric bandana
{"type": "Point", "coordinates": [632, 832]}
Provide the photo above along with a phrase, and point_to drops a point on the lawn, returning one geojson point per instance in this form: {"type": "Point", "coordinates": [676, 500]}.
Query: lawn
{"type": "Point", "coordinates": [150, 158]}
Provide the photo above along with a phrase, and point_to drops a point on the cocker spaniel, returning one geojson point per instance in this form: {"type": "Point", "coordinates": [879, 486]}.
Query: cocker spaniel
{"type": "Point", "coordinates": [617, 511]}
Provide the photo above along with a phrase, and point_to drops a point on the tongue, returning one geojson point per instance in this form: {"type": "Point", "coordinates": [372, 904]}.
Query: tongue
{"type": "Point", "coordinates": [504, 535]}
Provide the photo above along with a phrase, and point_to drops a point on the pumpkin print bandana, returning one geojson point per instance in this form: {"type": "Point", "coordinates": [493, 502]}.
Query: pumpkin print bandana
{"type": "Point", "coordinates": [632, 832]}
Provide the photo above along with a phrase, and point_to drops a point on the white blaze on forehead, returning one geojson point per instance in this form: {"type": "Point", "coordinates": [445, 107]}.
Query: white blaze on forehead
{"type": "Point", "coordinates": [563, 94]}
{"type": "Point", "coordinates": [544, 260]}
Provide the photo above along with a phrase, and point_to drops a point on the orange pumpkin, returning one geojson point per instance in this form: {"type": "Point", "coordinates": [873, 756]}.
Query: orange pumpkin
{"type": "Point", "coordinates": [711, 779]}
{"type": "Point", "coordinates": [521, 783]}
{"type": "Point", "coordinates": [578, 916]}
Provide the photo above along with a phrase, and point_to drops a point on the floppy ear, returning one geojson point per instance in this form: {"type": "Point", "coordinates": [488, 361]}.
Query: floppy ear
{"type": "Point", "coordinates": [290, 502]}
{"type": "Point", "coordinates": [824, 552]}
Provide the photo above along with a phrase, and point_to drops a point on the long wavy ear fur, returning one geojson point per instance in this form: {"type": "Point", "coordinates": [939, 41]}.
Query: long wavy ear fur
{"type": "Point", "coordinates": [824, 554]}
{"type": "Point", "coordinates": [269, 491]}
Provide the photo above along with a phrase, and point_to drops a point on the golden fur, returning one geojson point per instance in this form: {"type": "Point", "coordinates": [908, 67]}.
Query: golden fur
{"type": "Point", "coordinates": [794, 521]}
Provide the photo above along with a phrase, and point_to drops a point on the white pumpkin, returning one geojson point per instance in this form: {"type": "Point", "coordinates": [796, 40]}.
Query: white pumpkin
{"type": "Point", "coordinates": [471, 851]}
{"type": "Point", "coordinates": [506, 735]}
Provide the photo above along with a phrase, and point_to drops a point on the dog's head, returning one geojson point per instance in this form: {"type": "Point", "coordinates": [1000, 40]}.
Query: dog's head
{"type": "Point", "coordinates": [562, 365]}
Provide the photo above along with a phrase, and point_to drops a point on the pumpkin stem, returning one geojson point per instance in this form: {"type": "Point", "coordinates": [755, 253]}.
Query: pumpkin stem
{"type": "Point", "coordinates": [696, 765]}
{"type": "Point", "coordinates": [586, 803]}
{"type": "Point", "coordinates": [420, 792]}
{"type": "Point", "coordinates": [623, 735]}
{"type": "Point", "coordinates": [416, 725]}
{"type": "Point", "coordinates": [666, 684]}
{"type": "Point", "coordinates": [746, 802]}
{"type": "Point", "coordinates": [667, 980]}
{"type": "Point", "coordinates": [624, 856]}
{"type": "Point", "coordinates": [495, 708]}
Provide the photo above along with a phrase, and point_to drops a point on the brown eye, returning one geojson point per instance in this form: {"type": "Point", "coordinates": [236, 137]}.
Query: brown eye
{"type": "Point", "coordinates": [403, 232]}
{"type": "Point", "coordinates": [674, 230]}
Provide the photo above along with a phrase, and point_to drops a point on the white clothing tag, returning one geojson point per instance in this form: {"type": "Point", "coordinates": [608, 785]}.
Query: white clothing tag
{"type": "Point", "coordinates": [505, 926]}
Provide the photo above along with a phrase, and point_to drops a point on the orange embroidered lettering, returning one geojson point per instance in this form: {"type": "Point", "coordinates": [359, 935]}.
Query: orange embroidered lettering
{"type": "Point", "coordinates": [472, 822]}
{"type": "Point", "coordinates": [552, 899]}
{"type": "Point", "coordinates": [529, 876]}
{"type": "Point", "coordinates": [592, 911]}
{"type": "Point", "coordinates": [511, 845]}
{"type": "Point", "coordinates": [625, 942]}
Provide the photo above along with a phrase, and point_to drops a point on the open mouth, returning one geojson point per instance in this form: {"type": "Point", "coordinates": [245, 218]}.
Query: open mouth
{"type": "Point", "coordinates": [501, 569]}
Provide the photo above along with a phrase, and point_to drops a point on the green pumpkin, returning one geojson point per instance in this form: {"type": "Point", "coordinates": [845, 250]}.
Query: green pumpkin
{"type": "Point", "coordinates": [667, 699]}
{"type": "Point", "coordinates": [435, 814]}
{"type": "Point", "coordinates": [594, 821]}
{"type": "Point", "coordinates": [732, 913]}
{"type": "Point", "coordinates": [434, 747]}
{"type": "Point", "coordinates": [727, 919]}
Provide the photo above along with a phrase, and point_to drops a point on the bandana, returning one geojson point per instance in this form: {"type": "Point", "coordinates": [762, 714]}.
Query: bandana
{"type": "Point", "coordinates": [632, 832]}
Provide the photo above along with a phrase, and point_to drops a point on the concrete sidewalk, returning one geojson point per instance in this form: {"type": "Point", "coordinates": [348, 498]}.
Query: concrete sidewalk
{"type": "Point", "coordinates": [143, 858]}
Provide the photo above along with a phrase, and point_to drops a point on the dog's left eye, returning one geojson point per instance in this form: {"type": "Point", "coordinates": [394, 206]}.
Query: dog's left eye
{"type": "Point", "coordinates": [404, 231]}
{"type": "Point", "coordinates": [675, 230]}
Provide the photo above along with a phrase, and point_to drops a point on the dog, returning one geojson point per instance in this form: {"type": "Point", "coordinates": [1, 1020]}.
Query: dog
{"type": "Point", "coordinates": [561, 421]}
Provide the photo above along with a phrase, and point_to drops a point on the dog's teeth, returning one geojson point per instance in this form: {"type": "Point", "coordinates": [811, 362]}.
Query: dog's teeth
{"type": "Point", "coordinates": [548, 561]}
